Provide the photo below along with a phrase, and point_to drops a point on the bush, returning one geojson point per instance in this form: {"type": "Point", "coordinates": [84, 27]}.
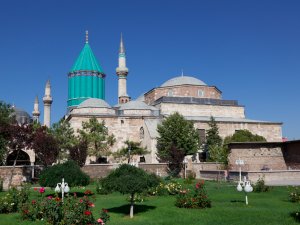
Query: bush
{"type": "Point", "coordinates": [13, 200]}
{"type": "Point", "coordinates": [294, 194]}
{"type": "Point", "coordinates": [73, 211]}
{"type": "Point", "coordinates": [196, 198]}
{"type": "Point", "coordinates": [260, 186]}
{"type": "Point", "coordinates": [165, 188]}
{"type": "Point", "coordinates": [69, 170]}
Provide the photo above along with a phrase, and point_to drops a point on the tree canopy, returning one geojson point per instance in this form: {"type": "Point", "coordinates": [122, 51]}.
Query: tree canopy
{"type": "Point", "coordinates": [176, 131]}
{"type": "Point", "coordinates": [97, 137]}
{"type": "Point", "coordinates": [214, 142]}
{"type": "Point", "coordinates": [177, 138]}
{"type": "Point", "coordinates": [244, 136]}
{"type": "Point", "coordinates": [135, 149]}
{"type": "Point", "coordinates": [131, 180]}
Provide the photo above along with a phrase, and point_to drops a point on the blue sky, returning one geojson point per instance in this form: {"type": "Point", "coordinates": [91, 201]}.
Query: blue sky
{"type": "Point", "coordinates": [250, 50]}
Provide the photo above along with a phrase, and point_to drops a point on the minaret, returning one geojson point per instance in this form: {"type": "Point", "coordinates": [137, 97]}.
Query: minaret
{"type": "Point", "coordinates": [47, 104]}
{"type": "Point", "coordinates": [36, 112]}
{"type": "Point", "coordinates": [122, 72]}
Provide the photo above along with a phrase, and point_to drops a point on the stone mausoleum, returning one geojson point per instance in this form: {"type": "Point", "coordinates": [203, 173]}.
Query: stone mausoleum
{"type": "Point", "coordinates": [137, 119]}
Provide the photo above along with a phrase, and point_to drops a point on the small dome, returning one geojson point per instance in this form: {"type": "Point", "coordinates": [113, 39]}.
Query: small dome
{"type": "Point", "coordinates": [22, 117]}
{"type": "Point", "coordinates": [94, 103]}
{"type": "Point", "coordinates": [136, 105]}
{"type": "Point", "coordinates": [183, 80]}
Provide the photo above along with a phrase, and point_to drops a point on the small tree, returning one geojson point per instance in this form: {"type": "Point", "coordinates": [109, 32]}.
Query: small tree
{"type": "Point", "coordinates": [78, 152]}
{"type": "Point", "coordinates": [97, 137]}
{"type": "Point", "coordinates": [131, 180]}
{"type": "Point", "coordinates": [45, 146]}
{"type": "Point", "coordinates": [213, 144]}
{"type": "Point", "coordinates": [64, 134]}
{"type": "Point", "coordinates": [176, 134]}
{"type": "Point", "coordinates": [244, 136]}
{"type": "Point", "coordinates": [135, 149]}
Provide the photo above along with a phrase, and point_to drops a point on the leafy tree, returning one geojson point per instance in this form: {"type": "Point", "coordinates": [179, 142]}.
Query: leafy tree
{"type": "Point", "coordinates": [131, 180]}
{"type": "Point", "coordinates": [68, 170]}
{"type": "Point", "coordinates": [45, 146]}
{"type": "Point", "coordinates": [97, 137]}
{"type": "Point", "coordinates": [244, 136]}
{"type": "Point", "coordinates": [213, 144]}
{"type": "Point", "coordinates": [176, 134]}
{"type": "Point", "coordinates": [78, 152]}
{"type": "Point", "coordinates": [5, 121]}
{"type": "Point", "coordinates": [20, 138]}
{"type": "Point", "coordinates": [135, 149]}
{"type": "Point", "coordinates": [64, 134]}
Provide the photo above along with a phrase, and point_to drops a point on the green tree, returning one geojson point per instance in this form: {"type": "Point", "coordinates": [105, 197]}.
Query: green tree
{"type": "Point", "coordinates": [244, 136]}
{"type": "Point", "coordinates": [213, 144]}
{"type": "Point", "coordinates": [131, 180]}
{"type": "Point", "coordinates": [65, 137]}
{"type": "Point", "coordinates": [97, 137]}
{"type": "Point", "coordinates": [131, 149]}
{"type": "Point", "coordinates": [176, 133]}
{"type": "Point", "coordinates": [6, 120]}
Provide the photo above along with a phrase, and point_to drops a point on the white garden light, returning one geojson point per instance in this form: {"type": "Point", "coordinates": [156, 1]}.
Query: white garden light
{"type": "Point", "coordinates": [62, 187]}
{"type": "Point", "coordinates": [244, 185]}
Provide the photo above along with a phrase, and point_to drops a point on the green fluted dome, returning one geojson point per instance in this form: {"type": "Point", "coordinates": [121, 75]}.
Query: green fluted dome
{"type": "Point", "coordinates": [86, 61]}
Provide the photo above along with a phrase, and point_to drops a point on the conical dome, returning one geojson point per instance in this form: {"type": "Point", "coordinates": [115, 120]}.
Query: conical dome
{"type": "Point", "coordinates": [86, 61]}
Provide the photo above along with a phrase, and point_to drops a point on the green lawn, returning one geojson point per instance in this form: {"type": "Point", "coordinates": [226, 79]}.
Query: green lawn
{"type": "Point", "coordinates": [228, 207]}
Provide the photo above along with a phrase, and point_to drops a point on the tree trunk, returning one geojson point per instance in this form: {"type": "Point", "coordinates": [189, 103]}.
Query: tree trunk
{"type": "Point", "coordinates": [131, 205]}
{"type": "Point", "coordinates": [13, 169]}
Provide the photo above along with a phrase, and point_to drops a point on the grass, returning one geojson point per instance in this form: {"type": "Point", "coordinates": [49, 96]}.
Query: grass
{"type": "Point", "coordinates": [228, 207]}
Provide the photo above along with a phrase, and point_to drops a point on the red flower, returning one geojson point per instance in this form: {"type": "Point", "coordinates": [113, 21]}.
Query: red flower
{"type": "Point", "coordinates": [57, 199]}
{"type": "Point", "coordinates": [42, 190]}
{"type": "Point", "coordinates": [33, 202]}
{"type": "Point", "coordinates": [87, 212]}
{"type": "Point", "coordinates": [197, 186]}
{"type": "Point", "coordinates": [35, 189]}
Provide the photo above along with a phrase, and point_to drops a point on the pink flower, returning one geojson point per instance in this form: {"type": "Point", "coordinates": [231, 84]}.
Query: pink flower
{"type": "Point", "coordinates": [100, 220]}
{"type": "Point", "coordinates": [42, 190]}
{"type": "Point", "coordinates": [50, 197]}
{"type": "Point", "coordinates": [87, 212]}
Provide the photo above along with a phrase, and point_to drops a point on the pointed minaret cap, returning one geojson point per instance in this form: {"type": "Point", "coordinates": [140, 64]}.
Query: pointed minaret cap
{"type": "Point", "coordinates": [48, 84]}
{"type": "Point", "coordinates": [86, 36]}
{"type": "Point", "coordinates": [36, 100]}
{"type": "Point", "coordinates": [122, 48]}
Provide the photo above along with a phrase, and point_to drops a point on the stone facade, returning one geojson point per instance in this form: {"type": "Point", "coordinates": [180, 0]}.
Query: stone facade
{"type": "Point", "coordinates": [196, 91]}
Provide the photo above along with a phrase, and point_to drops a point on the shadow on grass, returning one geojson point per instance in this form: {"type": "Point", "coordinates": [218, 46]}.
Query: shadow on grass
{"type": "Point", "coordinates": [237, 201]}
{"type": "Point", "coordinates": [124, 209]}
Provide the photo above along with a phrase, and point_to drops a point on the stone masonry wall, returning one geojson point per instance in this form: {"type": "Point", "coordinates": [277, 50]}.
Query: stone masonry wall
{"type": "Point", "coordinates": [183, 91]}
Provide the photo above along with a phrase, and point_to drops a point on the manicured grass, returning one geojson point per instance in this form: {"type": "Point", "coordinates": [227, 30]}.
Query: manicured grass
{"type": "Point", "coordinates": [228, 207]}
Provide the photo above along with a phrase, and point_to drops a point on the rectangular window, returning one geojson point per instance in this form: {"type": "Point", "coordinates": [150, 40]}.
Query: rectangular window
{"type": "Point", "coordinates": [202, 135]}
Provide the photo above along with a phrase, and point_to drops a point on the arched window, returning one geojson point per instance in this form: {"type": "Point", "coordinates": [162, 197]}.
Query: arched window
{"type": "Point", "coordinates": [170, 92]}
{"type": "Point", "coordinates": [142, 133]}
{"type": "Point", "coordinates": [23, 158]}
{"type": "Point", "coordinates": [200, 93]}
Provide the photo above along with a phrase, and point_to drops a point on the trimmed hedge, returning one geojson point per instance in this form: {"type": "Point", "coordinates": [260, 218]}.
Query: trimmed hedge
{"type": "Point", "coordinates": [69, 170]}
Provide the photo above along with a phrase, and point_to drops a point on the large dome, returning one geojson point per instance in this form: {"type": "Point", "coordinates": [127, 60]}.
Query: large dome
{"type": "Point", "coordinates": [94, 103]}
{"type": "Point", "coordinates": [183, 80]}
{"type": "Point", "coordinates": [21, 116]}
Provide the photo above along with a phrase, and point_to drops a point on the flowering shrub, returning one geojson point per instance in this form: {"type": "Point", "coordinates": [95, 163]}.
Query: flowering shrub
{"type": "Point", "coordinates": [196, 198]}
{"type": "Point", "coordinates": [169, 188]}
{"type": "Point", "coordinates": [13, 200]}
{"type": "Point", "coordinates": [73, 210]}
{"type": "Point", "coordinates": [88, 192]}
{"type": "Point", "coordinates": [294, 194]}
{"type": "Point", "coordinates": [260, 186]}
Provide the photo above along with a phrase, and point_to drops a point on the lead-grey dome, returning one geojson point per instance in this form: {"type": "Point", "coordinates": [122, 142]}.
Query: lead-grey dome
{"type": "Point", "coordinates": [183, 80]}
{"type": "Point", "coordinates": [21, 116]}
{"type": "Point", "coordinates": [136, 105]}
{"type": "Point", "coordinates": [94, 103]}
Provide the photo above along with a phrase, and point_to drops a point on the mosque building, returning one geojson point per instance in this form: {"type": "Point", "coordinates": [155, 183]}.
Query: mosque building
{"type": "Point", "coordinates": [137, 120]}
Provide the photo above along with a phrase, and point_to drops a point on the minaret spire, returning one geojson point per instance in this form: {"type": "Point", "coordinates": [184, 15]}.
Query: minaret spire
{"type": "Point", "coordinates": [122, 72]}
{"type": "Point", "coordinates": [86, 36]}
{"type": "Point", "coordinates": [36, 112]}
{"type": "Point", "coordinates": [47, 104]}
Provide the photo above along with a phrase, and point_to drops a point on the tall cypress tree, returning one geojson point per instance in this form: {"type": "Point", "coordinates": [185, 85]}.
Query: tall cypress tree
{"type": "Point", "coordinates": [213, 139]}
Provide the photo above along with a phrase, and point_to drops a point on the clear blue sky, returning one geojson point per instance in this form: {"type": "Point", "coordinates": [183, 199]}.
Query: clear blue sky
{"type": "Point", "coordinates": [249, 49]}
